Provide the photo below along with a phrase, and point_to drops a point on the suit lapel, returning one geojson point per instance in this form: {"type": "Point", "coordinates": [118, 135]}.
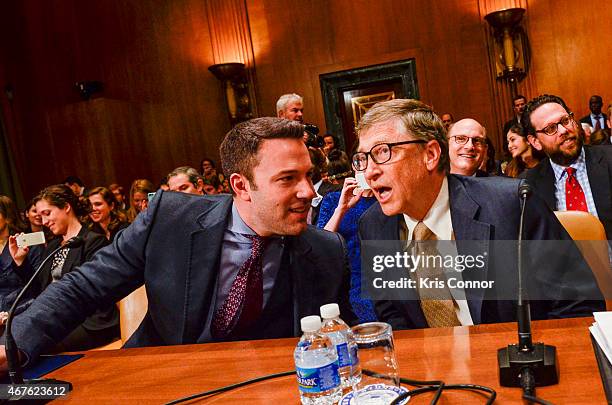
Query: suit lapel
{"type": "Point", "coordinates": [204, 256]}
{"type": "Point", "coordinates": [302, 267]}
{"type": "Point", "coordinates": [472, 237]}
{"type": "Point", "coordinates": [599, 181]}
{"type": "Point", "coordinates": [545, 184]}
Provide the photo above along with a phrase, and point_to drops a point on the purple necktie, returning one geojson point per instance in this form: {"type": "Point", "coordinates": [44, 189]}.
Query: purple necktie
{"type": "Point", "coordinates": [244, 302]}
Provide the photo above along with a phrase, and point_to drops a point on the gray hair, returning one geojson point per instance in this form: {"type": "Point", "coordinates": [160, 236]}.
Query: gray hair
{"type": "Point", "coordinates": [285, 99]}
{"type": "Point", "coordinates": [412, 117]}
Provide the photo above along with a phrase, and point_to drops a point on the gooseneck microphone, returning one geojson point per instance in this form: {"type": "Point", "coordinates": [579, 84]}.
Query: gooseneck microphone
{"type": "Point", "coordinates": [526, 364]}
{"type": "Point", "coordinates": [12, 354]}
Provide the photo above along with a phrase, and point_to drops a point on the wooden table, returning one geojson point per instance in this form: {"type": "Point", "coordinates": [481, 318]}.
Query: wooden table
{"type": "Point", "coordinates": [456, 355]}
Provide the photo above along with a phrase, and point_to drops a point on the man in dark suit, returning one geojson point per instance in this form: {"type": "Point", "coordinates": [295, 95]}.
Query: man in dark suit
{"type": "Point", "coordinates": [215, 267]}
{"type": "Point", "coordinates": [467, 148]}
{"type": "Point", "coordinates": [404, 153]}
{"type": "Point", "coordinates": [518, 104]}
{"type": "Point", "coordinates": [587, 170]}
{"type": "Point", "coordinates": [596, 119]}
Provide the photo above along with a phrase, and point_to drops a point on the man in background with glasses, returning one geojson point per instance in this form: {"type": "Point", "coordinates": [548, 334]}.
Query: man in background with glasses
{"type": "Point", "coordinates": [574, 177]}
{"type": "Point", "coordinates": [403, 151]}
{"type": "Point", "coordinates": [467, 147]}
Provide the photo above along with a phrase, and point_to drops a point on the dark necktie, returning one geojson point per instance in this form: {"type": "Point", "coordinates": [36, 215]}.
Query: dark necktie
{"type": "Point", "coordinates": [574, 195]}
{"type": "Point", "coordinates": [597, 123]}
{"type": "Point", "coordinates": [244, 302]}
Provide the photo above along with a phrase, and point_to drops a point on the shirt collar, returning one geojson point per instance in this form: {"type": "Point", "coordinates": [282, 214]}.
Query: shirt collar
{"type": "Point", "coordinates": [438, 218]}
{"type": "Point", "coordinates": [237, 225]}
{"type": "Point", "coordinates": [598, 116]}
{"type": "Point", "coordinates": [578, 164]}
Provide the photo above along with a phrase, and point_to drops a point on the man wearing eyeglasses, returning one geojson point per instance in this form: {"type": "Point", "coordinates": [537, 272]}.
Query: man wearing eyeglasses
{"type": "Point", "coordinates": [574, 177]}
{"type": "Point", "coordinates": [403, 152]}
{"type": "Point", "coordinates": [467, 147]}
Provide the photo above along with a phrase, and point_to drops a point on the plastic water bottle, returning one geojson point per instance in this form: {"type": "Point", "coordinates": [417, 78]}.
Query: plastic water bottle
{"type": "Point", "coordinates": [346, 348]}
{"type": "Point", "coordinates": [316, 364]}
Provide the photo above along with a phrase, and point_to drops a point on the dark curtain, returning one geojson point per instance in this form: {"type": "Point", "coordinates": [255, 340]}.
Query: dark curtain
{"type": "Point", "coordinates": [9, 182]}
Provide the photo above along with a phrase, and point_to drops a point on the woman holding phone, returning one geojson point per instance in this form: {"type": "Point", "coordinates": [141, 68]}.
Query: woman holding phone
{"type": "Point", "coordinates": [60, 210]}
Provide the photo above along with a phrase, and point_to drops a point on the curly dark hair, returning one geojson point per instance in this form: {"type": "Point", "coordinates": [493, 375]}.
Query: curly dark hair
{"type": "Point", "coordinates": [59, 195]}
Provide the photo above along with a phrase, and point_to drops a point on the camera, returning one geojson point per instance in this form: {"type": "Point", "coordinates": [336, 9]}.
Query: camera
{"type": "Point", "coordinates": [313, 140]}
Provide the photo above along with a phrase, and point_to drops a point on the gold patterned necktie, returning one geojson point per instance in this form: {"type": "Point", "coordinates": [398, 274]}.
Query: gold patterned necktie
{"type": "Point", "coordinates": [437, 303]}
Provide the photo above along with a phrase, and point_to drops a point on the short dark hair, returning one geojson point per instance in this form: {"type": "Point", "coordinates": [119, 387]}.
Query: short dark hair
{"type": "Point", "coordinates": [73, 180]}
{"type": "Point", "coordinates": [518, 97]}
{"type": "Point", "coordinates": [528, 128]}
{"type": "Point", "coordinates": [239, 148]}
{"type": "Point", "coordinates": [191, 173]}
{"type": "Point", "coordinates": [61, 195]}
{"type": "Point", "coordinates": [10, 214]}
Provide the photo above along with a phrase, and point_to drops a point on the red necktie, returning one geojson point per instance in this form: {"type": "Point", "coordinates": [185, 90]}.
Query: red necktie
{"type": "Point", "coordinates": [244, 302]}
{"type": "Point", "coordinates": [597, 124]}
{"type": "Point", "coordinates": [574, 195]}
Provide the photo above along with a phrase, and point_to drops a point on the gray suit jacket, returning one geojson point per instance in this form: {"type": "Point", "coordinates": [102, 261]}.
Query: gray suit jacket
{"type": "Point", "coordinates": [174, 248]}
{"type": "Point", "coordinates": [483, 210]}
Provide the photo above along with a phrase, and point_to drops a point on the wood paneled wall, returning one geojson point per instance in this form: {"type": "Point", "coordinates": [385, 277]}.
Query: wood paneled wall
{"type": "Point", "coordinates": [161, 107]}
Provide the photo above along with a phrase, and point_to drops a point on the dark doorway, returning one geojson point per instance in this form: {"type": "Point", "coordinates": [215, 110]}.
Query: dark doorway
{"type": "Point", "coordinates": [349, 94]}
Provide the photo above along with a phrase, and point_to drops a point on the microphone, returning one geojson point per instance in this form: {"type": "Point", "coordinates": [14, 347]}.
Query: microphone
{"type": "Point", "coordinates": [12, 354]}
{"type": "Point", "coordinates": [526, 364]}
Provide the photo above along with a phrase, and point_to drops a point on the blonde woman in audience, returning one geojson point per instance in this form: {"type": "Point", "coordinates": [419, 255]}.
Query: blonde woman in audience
{"type": "Point", "coordinates": [139, 197]}
{"type": "Point", "coordinates": [105, 216]}
{"type": "Point", "coordinates": [524, 156]}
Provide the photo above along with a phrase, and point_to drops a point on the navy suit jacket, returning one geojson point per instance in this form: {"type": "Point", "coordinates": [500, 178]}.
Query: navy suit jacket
{"type": "Point", "coordinates": [174, 249]}
{"type": "Point", "coordinates": [599, 171]}
{"type": "Point", "coordinates": [587, 120]}
{"type": "Point", "coordinates": [482, 210]}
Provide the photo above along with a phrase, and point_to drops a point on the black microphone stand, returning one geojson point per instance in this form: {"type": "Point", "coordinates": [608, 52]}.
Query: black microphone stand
{"type": "Point", "coordinates": [526, 365]}
{"type": "Point", "coordinates": [12, 352]}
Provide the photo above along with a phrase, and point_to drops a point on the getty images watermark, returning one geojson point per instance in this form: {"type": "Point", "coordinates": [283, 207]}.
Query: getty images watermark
{"type": "Point", "coordinates": [483, 270]}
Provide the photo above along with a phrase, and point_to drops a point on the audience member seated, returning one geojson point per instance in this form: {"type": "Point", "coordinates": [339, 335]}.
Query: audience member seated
{"type": "Point", "coordinates": [139, 197]}
{"type": "Point", "coordinates": [33, 219]}
{"type": "Point", "coordinates": [340, 212]}
{"type": "Point", "coordinates": [319, 182]}
{"type": "Point", "coordinates": [403, 152]}
{"type": "Point", "coordinates": [524, 156]}
{"type": "Point", "coordinates": [185, 179]}
{"type": "Point", "coordinates": [212, 186]}
{"type": "Point", "coordinates": [447, 121]}
{"type": "Point", "coordinates": [573, 177]}
{"type": "Point", "coordinates": [60, 210]}
{"type": "Point", "coordinates": [467, 147]}
{"type": "Point", "coordinates": [209, 171]}
{"type": "Point", "coordinates": [13, 276]}
{"type": "Point", "coordinates": [600, 137]}
{"type": "Point", "coordinates": [106, 218]}
{"type": "Point", "coordinates": [119, 194]}
{"type": "Point", "coordinates": [330, 143]}
{"type": "Point", "coordinates": [216, 268]}
{"type": "Point", "coordinates": [76, 185]}
{"type": "Point", "coordinates": [490, 165]}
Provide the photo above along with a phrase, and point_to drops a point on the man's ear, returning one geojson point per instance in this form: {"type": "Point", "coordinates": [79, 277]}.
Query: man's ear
{"type": "Point", "coordinates": [432, 155]}
{"type": "Point", "coordinates": [200, 186]}
{"type": "Point", "coordinates": [241, 186]}
{"type": "Point", "coordinates": [534, 142]}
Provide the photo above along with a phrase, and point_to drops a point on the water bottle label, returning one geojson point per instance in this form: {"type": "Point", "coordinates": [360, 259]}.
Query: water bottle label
{"type": "Point", "coordinates": [316, 380]}
{"type": "Point", "coordinates": [344, 358]}
{"type": "Point", "coordinates": [354, 355]}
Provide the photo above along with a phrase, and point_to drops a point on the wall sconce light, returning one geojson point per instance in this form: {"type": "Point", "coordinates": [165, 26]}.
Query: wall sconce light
{"type": "Point", "coordinates": [87, 88]}
{"type": "Point", "coordinates": [235, 82]}
{"type": "Point", "coordinates": [511, 46]}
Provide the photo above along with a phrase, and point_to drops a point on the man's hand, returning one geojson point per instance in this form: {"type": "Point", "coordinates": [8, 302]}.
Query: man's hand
{"type": "Point", "coordinates": [3, 318]}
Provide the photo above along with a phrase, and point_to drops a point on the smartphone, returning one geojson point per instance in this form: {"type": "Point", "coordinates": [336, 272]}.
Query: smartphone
{"type": "Point", "coordinates": [361, 181]}
{"type": "Point", "coordinates": [150, 196]}
{"type": "Point", "coordinates": [30, 239]}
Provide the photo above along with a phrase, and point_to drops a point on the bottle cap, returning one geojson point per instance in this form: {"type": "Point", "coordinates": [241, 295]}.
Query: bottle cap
{"type": "Point", "coordinates": [329, 311]}
{"type": "Point", "coordinates": [310, 323]}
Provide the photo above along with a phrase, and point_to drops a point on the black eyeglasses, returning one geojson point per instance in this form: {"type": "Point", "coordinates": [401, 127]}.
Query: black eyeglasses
{"type": "Point", "coordinates": [380, 154]}
{"type": "Point", "coordinates": [551, 129]}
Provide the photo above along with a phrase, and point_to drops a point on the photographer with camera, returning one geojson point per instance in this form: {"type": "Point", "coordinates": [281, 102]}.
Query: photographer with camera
{"type": "Point", "coordinates": [291, 107]}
